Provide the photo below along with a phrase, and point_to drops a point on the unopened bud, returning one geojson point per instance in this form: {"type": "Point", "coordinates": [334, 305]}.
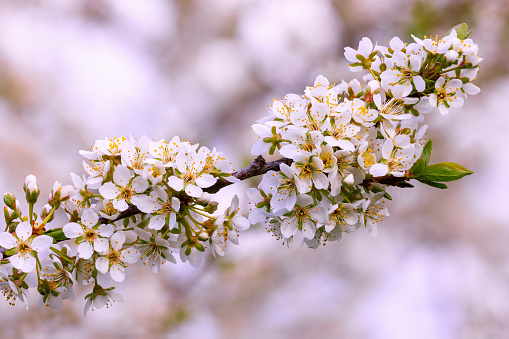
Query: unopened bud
{"type": "Point", "coordinates": [59, 193]}
{"type": "Point", "coordinates": [349, 180]}
{"type": "Point", "coordinates": [31, 189]}
{"type": "Point", "coordinates": [203, 236]}
{"type": "Point", "coordinates": [211, 207]}
{"type": "Point", "coordinates": [205, 198]}
{"type": "Point", "coordinates": [199, 247]}
{"type": "Point", "coordinates": [451, 55]}
{"type": "Point", "coordinates": [46, 210]}
{"type": "Point", "coordinates": [10, 215]}
{"type": "Point", "coordinates": [43, 287]}
{"type": "Point", "coordinates": [10, 200]}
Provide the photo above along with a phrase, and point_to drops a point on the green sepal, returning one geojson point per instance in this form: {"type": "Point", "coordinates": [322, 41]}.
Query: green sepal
{"type": "Point", "coordinates": [443, 172]}
{"type": "Point", "coordinates": [175, 230]}
{"type": "Point", "coordinates": [11, 251]}
{"type": "Point", "coordinates": [199, 247]}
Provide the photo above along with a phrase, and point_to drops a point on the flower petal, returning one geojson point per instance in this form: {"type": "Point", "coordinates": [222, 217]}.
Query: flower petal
{"type": "Point", "coordinates": [7, 240]}
{"type": "Point", "coordinates": [42, 243]}
{"type": "Point", "coordinates": [117, 272]}
{"type": "Point", "coordinates": [109, 190]}
{"type": "Point", "coordinates": [24, 230]}
{"type": "Point", "coordinates": [72, 230]}
{"type": "Point", "coordinates": [102, 264]}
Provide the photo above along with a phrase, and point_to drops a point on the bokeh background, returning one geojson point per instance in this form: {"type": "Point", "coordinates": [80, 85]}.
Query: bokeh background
{"type": "Point", "coordinates": [75, 71]}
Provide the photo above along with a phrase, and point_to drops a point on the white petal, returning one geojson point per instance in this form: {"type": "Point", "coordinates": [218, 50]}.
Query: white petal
{"type": "Point", "coordinates": [42, 243]}
{"type": "Point", "coordinates": [240, 223]}
{"type": "Point", "coordinates": [17, 261]}
{"type": "Point", "coordinates": [102, 264]}
{"type": "Point", "coordinates": [419, 83]}
{"type": "Point", "coordinates": [105, 230]}
{"type": "Point", "coordinates": [117, 272]}
{"type": "Point", "coordinates": [379, 170]}
{"type": "Point", "coordinates": [471, 88]}
{"type": "Point", "coordinates": [7, 240]}
{"type": "Point", "coordinates": [156, 222]}
{"type": "Point", "coordinates": [72, 230]}
{"type": "Point", "coordinates": [117, 240]}
{"type": "Point", "coordinates": [196, 258]}
{"type": "Point", "coordinates": [120, 204]}
{"type": "Point", "coordinates": [205, 180]}
{"type": "Point", "coordinates": [121, 176]}
{"type": "Point", "coordinates": [308, 229]}
{"type": "Point", "coordinates": [29, 263]}
{"type": "Point", "coordinates": [193, 191]}
{"type": "Point", "coordinates": [288, 227]}
{"type": "Point", "coordinates": [101, 245]}
{"type": "Point", "coordinates": [109, 190]}
{"type": "Point", "coordinates": [176, 183]}
{"type": "Point", "coordinates": [139, 184]}
{"type": "Point", "coordinates": [24, 230]}
{"type": "Point", "coordinates": [85, 250]}
{"type": "Point", "coordinates": [260, 147]}
{"type": "Point", "coordinates": [146, 204]}
{"type": "Point", "coordinates": [130, 255]}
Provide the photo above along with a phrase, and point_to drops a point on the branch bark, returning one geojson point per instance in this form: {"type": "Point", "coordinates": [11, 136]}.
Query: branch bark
{"type": "Point", "coordinates": [258, 167]}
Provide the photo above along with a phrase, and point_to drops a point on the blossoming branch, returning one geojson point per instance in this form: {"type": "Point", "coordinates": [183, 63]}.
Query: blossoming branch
{"type": "Point", "coordinates": [342, 145]}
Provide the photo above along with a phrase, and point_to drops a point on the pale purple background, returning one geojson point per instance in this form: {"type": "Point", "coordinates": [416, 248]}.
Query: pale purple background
{"type": "Point", "coordinates": [75, 71]}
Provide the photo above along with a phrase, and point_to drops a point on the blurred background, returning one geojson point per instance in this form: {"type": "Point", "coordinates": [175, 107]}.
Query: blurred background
{"type": "Point", "coordinates": [75, 71]}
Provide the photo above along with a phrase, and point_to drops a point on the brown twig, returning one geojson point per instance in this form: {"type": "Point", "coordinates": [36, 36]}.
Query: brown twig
{"type": "Point", "coordinates": [258, 167]}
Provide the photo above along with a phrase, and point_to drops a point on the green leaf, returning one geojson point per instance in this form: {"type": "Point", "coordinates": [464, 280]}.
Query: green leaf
{"type": "Point", "coordinates": [461, 30]}
{"type": "Point", "coordinates": [426, 152]}
{"type": "Point", "coordinates": [57, 234]}
{"type": "Point", "coordinates": [404, 184]}
{"type": "Point", "coordinates": [417, 167]}
{"type": "Point", "coordinates": [443, 172]}
{"type": "Point", "coordinates": [433, 184]}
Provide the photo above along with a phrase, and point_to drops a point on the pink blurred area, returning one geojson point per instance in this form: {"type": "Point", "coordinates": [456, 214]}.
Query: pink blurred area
{"type": "Point", "coordinates": [75, 71]}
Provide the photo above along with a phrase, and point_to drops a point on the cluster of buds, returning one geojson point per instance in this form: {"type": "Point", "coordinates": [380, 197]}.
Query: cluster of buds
{"type": "Point", "coordinates": [348, 142]}
{"type": "Point", "coordinates": [141, 201]}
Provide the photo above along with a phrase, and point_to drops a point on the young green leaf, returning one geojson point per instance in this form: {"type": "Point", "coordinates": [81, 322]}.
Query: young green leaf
{"type": "Point", "coordinates": [461, 30]}
{"type": "Point", "coordinates": [417, 167]}
{"type": "Point", "coordinates": [433, 184]}
{"type": "Point", "coordinates": [426, 152]}
{"type": "Point", "coordinates": [57, 234]}
{"type": "Point", "coordinates": [443, 172]}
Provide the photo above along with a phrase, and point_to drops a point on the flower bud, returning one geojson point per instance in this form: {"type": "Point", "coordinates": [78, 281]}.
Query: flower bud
{"type": "Point", "coordinates": [205, 198]}
{"type": "Point", "coordinates": [10, 200]}
{"type": "Point", "coordinates": [211, 207]}
{"type": "Point", "coordinates": [203, 236]}
{"type": "Point", "coordinates": [10, 215]}
{"type": "Point", "coordinates": [31, 189]}
{"type": "Point", "coordinates": [59, 193]}
{"type": "Point", "coordinates": [451, 55]}
{"type": "Point", "coordinates": [46, 210]}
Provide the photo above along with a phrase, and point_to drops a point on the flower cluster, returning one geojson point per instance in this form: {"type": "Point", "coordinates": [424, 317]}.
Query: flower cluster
{"type": "Point", "coordinates": [348, 142]}
{"type": "Point", "coordinates": [139, 202]}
